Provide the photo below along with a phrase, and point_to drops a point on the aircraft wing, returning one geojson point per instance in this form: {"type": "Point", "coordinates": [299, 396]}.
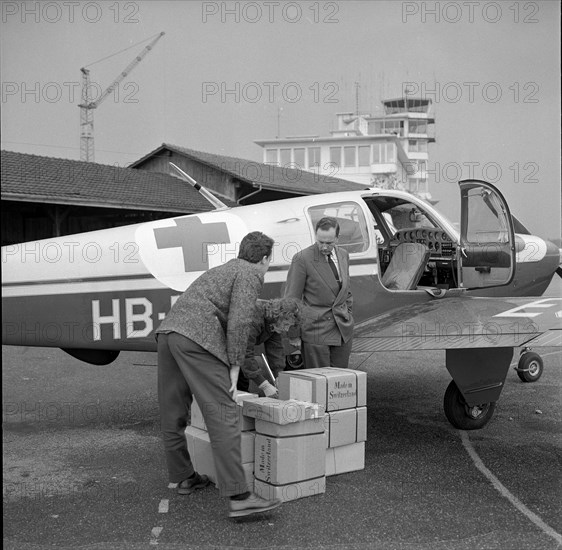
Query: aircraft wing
{"type": "Point", "coordinates": [463, 322]}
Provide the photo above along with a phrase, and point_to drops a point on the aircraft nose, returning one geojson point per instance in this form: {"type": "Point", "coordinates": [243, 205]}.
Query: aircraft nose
{"type": "Point", "coordinates": [552, 261]}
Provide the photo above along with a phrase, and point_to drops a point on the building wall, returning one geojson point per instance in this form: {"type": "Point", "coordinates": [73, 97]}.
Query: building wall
{"type": "Point", "coordinates": [31, 221]}
{"type": "Point", "coordinates": [211, 178]}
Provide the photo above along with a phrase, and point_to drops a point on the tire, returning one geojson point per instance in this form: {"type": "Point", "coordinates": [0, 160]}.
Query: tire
{"type": "Point", "coordinates": [531, 366]}
{"type": "Point", "coordinates": [462, 416]}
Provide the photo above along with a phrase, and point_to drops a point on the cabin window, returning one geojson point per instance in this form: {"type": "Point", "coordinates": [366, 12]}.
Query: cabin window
{"type": "Point", "coordinates": [354, 236]}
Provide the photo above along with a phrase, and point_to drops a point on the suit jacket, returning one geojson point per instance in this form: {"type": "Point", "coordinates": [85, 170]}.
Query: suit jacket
{"type": "Point", "coordinates": [328, 317]}
{"type": "Point", "coordinates": [217, 309]}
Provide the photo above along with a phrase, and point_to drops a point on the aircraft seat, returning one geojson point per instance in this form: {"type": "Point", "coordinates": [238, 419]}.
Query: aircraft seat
{"type": "Point", "coordinates": [406, 266]}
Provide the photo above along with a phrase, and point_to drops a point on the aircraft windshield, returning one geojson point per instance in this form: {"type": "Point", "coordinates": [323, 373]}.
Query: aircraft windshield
{"type": "Point", "coordinates": [400, 214]}
{"type": "Point", "coordinates": [407, 215]}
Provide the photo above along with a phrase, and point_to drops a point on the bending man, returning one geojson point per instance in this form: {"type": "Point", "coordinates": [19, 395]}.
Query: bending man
{"type": "Point", "coordinates": [201, 347]}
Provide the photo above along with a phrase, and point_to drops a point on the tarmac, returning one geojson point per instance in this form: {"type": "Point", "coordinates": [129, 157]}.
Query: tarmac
{"type": "Point", "coordinates": [84, 467]}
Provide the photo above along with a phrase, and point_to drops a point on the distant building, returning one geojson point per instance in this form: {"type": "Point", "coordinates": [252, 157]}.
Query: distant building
{"type": "Point", "coordinates": [388, 151]}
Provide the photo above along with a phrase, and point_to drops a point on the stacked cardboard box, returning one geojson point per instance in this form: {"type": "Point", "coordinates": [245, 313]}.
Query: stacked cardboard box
{"type": "Point", "coordinates": [343, 393]}
{"type": "Point", "coordinates": [289, 449]}
{"type": "Point", "coordinates": [199, 444]}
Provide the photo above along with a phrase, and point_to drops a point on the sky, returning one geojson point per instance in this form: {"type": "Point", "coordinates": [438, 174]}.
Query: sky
{"type": "Point", "coordinates": [228, 73]}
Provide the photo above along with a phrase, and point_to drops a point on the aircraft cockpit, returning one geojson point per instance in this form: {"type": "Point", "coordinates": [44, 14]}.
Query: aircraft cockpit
{"type": "Point", "coordinates": [418, 249]}
{"type": "Point", "coordinates": [398, 221]}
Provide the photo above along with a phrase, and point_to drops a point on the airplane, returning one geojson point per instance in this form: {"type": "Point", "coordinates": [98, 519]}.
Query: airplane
{"type": "Point", "coordinates": [417, 282]}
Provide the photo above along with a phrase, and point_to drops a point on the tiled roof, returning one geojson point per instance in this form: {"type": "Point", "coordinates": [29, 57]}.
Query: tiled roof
{"type": "Point", "coordinates": [54, 180]}
{"type": "Point", "coordinates": [269, 177]}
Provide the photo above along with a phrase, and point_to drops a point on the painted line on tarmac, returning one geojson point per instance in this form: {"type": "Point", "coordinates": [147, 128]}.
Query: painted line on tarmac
{"type": "Point", "coordinates": [155, 533]}
{"type": "Point", "coordinates": [504, 492]}
{"type": "Point", "coordinates": [163, 507]}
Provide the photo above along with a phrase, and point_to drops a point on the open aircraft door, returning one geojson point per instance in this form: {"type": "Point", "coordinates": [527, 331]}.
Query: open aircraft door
{"type": "Point", "coordinates": [487, 253]}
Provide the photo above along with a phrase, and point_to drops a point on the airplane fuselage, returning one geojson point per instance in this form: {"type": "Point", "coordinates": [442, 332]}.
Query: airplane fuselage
{"type": "Point", "coordinates": [110, 289]}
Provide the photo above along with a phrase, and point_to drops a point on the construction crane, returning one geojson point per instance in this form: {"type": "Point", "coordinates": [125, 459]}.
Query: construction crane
{"type": "Point", "coordinates": [87, 106]}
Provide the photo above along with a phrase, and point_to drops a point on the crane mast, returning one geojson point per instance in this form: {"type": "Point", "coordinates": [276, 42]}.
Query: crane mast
{"type": "Point", "coordinates": [87, 106]}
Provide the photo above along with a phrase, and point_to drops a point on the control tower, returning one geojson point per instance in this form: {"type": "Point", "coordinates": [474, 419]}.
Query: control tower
{"type": "Point", "coordinates": [389, 150]}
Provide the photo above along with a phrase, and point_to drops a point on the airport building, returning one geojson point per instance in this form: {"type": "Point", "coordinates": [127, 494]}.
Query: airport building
{"type": "Point", "coordinates": [388, 151]}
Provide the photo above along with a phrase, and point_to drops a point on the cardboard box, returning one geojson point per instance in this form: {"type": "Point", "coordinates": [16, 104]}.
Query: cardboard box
{"type": "Point", "coordinates": [334, 389]}
{"type": "Point", "coordinates": [200, 452]}
{"type": "Point", "coordinates": [246, 423]}
{"type": "Point", "coordinates": [292, 491]}
{"type": "Point", "coordinates": [199, 447]}
{"type": "Point", "coordinates": [311, 426]}
{"type": "Point", "coordinates": [347, 458]}
{"type": "Point", "coordinates": [203, 462]}
{"type": "Point", "coordinates": [346, 427]}
{"type": "Point", "coordinates": [197, 420]}
{"type": "Point", "coordinates": [281, 412]}
{"type": "Point", "coordinates": [249, 473]}
{"type": "Point", "coordinates": [280, 461]}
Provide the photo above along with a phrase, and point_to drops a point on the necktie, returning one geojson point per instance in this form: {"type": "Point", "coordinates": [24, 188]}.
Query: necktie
{"type": "Point", "coordinates": [334, 269]}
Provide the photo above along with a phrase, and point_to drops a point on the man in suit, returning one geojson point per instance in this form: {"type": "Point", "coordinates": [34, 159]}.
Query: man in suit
{"type": "Point", "coordinates": [201, 347]}
{"type": "Point", "coordinates": [319, 275]}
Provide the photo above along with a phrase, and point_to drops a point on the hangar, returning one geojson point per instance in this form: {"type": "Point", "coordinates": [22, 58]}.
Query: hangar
{"type": "Point", "coordinates": [241, 180]}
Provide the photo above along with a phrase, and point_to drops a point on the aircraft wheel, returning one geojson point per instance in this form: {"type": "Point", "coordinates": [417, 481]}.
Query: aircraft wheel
{"type": "Point", "coordinates": [530, 367]}
{"type": "Point", "coordinates": [463, 416]}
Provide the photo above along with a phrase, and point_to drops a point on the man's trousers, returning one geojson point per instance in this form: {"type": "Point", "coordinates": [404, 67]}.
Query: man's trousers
{"type": "Point", "coordinates": [315, 356]}
{"type": "Point", "coordinates": [185, 369]}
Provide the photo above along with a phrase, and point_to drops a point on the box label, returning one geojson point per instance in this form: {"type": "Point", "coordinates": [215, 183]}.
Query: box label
{"type": "Point", "coordinates": [262, 468]}
{"type": "Point", "coordinates": [334, 388]}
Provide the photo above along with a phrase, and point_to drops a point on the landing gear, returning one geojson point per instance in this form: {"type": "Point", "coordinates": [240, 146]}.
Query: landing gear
{"type": "Point", "coordinates": [530, 366]}
{"type": "Point", "coordinates": [463, 416]}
